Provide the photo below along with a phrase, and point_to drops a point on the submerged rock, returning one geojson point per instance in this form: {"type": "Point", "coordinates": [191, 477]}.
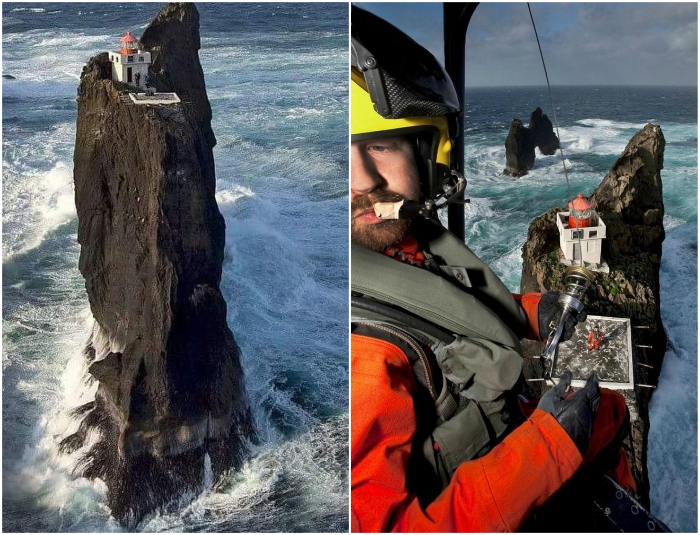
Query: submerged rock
{"type": "Point", "coordinates": [630, 202]}
{"type": "Point", "coordinates": [171, 386]}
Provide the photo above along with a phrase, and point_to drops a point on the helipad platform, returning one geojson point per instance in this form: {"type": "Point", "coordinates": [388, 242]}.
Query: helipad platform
{"type": "Point", "coordinates": [613, 361]}
{"type": "Point", "coordinates": [155, 98]}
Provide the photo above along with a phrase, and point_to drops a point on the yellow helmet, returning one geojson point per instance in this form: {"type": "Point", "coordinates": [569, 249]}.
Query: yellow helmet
{"type": "Point", "coordinates": [397, 87]}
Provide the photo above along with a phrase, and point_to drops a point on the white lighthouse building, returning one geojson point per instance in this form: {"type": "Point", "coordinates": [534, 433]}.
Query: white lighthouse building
{"type": "Point", "coordinates": [129, 63]}
{"type": "Point", "coordinates": [581, 234]}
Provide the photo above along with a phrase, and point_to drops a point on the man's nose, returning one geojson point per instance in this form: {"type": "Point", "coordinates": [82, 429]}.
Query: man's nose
{"type": "Point", "coordinates": [364, 177]}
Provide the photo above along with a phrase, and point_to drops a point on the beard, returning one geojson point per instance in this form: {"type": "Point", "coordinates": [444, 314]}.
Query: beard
{"type": "Point", "coordinates": [379, 236]}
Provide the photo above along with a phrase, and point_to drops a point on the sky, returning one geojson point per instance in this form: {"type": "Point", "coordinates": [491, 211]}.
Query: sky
{"type": "Point", "coordinates": [583, 43]}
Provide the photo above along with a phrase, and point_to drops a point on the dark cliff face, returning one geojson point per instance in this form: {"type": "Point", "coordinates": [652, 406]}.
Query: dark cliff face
{"type": "Point", "coordinates": [173, 40]}
{"type": "Point", "coordinates": [170, 381]}
{"type": "Point", "coordinates": [630, 202]}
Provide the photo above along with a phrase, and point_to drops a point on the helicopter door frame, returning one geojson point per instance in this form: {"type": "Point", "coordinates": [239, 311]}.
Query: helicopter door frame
{"type": "Point", "coordinates": [456, 17]}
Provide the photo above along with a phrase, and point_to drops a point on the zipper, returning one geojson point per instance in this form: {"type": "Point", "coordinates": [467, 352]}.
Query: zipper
{"type": "Point", "coordinates": [414, 346]}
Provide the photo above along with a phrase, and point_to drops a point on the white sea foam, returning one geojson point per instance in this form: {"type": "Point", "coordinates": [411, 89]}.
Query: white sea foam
{"type": "Point", "coordinates": [230, 196]}
{"type": "Point", "coordinates": [598, 136]}
{"type": "Point", "coordinates": [32, 9]}
{"type": "Point", "coordinates": [489, 160]}
{"type": "Point", "coordinates": [208, 474]}
{"type": "Point", "coordinates": [43, 472]}
{"type": "Point", "coordinates": [44, 203]}
{"type": "Point", "coordinates": [259, 496]}
{"type": "Point", "coordinates": [601, 138]}
{"type": "Point", "coordinates": [478, 209]}
{"type": "Point", "coordinates": [673, 408]}
{"type": "Point", "coordinates": [72, 41]}
{"type": "Point", "coordinates": [671, 223]}
{"type": "Point", "coordinates": [54, 56]}
{"type": "Point", "coordinates": [609, 125]}
{"type": "Point", "coordinates": [58, 192]}
{"type": "Point", "coordinates": [509, 267]}
{"type": "Point", "coordinates": [583, 144]}
{"type": "Point", "coordinates": [268, 249]}
{"type": "Point", "coordinates": [299, 113]}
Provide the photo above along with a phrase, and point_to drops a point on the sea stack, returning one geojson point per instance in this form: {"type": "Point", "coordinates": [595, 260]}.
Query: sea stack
{"type": "Point", "coordinates": [520, 150]}
{"type": "Point", "coordinates": [521, 142]}
{"type": "Point", "coordinates": [543, 136]}
{"type": "Point", "coordinates": [630, 201]}
{"type": "Point", "coordinates": [171, 407]}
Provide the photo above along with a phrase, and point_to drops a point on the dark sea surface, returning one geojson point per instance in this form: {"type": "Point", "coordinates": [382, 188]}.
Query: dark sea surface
{"type": "Point", "coordinates": [276, 78]}
{"type": "Point", "coordinates": [595, 124]}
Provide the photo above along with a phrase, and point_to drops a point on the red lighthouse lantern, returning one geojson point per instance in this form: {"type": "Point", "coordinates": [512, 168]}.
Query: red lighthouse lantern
{"type": "Point", "coordinates": [128, 43]}
{"type": "Point", "coordinates": [580, 212]}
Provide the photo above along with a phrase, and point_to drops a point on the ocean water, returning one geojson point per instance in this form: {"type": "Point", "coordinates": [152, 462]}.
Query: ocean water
{"type": "Point", "coordinates": [595, 124]}
{"type": "Point", "coordinates": [275, 77]}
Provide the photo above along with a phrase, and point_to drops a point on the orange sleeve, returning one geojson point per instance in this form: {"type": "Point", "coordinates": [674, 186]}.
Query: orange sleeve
{"type": "Point", "coordinates": [493, 493]}
{"type": "Point", "coordinates": [530, 302]}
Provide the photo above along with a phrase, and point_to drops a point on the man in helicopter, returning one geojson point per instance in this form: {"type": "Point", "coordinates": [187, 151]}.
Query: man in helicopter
{"type": "Point", "coordinates": [438, 440]}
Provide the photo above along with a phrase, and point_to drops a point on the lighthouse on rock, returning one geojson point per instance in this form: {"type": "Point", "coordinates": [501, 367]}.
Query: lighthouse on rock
{"type": "Point", "coordinates": [581, 234]}
{"type": "Point", "coordinates": [130, 63]}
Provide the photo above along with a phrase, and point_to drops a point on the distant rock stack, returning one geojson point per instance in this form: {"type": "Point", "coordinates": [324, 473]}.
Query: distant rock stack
{"type": "Point", "coordinates": [520, 150]}
{"type": "Point", "coordinates": [630, 201]}
{"type": "Point", "coordinates": [171, 390]}
{"type": "Point", "coordinates": [521, 143]}
{"type": "Point", "coordinates": [543, 136]}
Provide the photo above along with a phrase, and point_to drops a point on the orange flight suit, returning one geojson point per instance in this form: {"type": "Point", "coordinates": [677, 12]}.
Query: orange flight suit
{"type": "Point", "coordinates": [493, 493]}
{"type": "Point", "coordinates": [496, 492]}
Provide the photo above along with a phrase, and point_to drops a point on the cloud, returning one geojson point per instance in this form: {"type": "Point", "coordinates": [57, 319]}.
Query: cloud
{"type": "Point", "coordinates": [583, 43]}
{"type": "Point", "coordinates": [685, 39]}
{"type": "Point", "coordinates": [598, 43]}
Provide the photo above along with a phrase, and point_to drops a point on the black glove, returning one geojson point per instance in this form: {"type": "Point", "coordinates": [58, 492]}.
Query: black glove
{"type": "Point", "coordinates": [549, 311]}
{"type": "Point", "coordinates": [575, 414]}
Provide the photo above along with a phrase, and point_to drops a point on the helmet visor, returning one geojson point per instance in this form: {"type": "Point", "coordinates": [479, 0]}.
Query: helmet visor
{"type": "Point", "coordinates": [403, 78]}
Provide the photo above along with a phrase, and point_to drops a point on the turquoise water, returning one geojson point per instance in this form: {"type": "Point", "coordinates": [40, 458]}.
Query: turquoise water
{"type": "Point", "coordinates": [275, 77]}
